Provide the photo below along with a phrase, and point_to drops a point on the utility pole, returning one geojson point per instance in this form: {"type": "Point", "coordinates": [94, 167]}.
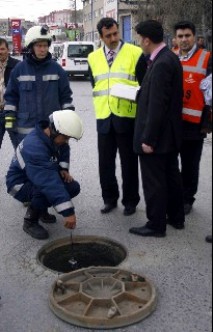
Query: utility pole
{"type": "Point", "coordinates": [75, 4]}
{"type": "Point", "coordinates": [74, 7]}
{"type": "Point", "coordinates": [92, 19]}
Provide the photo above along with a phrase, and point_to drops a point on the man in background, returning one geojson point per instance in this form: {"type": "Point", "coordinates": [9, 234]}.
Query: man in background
{"type": "Point", "coordinates": [175, 47]}
{"type": "Point", "coordinates": [196, 114]}
{"type": "Point", "coordinates": [201, 42]}
{"type": "Point", "coordinates": [7, 63]}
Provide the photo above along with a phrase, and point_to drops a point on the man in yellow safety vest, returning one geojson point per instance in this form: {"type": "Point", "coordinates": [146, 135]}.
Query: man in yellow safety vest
{"type": "Point", "coordinates": [111, 64]}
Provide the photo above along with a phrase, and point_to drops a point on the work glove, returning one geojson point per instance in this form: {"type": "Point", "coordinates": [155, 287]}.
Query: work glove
{"type": "Point", "coordinates": [9, 121]}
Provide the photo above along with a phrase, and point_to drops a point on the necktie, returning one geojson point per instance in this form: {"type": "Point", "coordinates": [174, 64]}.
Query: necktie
{"type": "Point", "coordinates": [110, 57]}
{"type": "Point", "coordinates": [149, 62]}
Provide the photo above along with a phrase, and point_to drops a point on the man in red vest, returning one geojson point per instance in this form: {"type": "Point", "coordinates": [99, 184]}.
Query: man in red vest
{"type": "Point", "coordinates": [197, 65]}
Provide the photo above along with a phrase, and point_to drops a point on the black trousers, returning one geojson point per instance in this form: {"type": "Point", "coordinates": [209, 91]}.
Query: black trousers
{"type": "Point", "coordinates": [163, 189]}
{"type": "Point", "coordinates": [108, 145]}
{"type": "Point", "coordinates": [191, 153]}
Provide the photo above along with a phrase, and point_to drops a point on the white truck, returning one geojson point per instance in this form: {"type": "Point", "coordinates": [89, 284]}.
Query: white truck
{"type": "Point", "coordinates": [74, 55]}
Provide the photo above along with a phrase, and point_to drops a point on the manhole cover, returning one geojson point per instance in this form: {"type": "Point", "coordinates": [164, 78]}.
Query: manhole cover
{"type": "Point", "coordinates": [85, 252]}
{"type": "Point", "coordinates": [102, 298]}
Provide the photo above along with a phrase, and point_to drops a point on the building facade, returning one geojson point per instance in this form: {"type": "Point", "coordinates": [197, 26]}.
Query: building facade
{"type": "Point", "coordinates": [125, 12]}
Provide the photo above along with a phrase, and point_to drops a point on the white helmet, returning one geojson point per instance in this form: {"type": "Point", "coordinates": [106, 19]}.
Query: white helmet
{"type": "Point", "coordinates": [36, 34]}
{"type": "Point", "coordinates": [68, 123]}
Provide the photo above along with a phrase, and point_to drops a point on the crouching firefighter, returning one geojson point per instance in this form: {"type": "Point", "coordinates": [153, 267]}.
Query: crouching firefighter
{"type": "Point", "coordinates": [39, 174]}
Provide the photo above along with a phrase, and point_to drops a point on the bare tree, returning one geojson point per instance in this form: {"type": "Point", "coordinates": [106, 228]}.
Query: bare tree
{"type": "Point", "coordinates": [168, 12]}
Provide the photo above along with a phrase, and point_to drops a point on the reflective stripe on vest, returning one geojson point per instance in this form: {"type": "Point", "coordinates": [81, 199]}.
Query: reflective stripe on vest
{"type": "Point", "coordinates": [115, 75]}
{"type": "Point", "coordinates": [100, 93]}
{"type": "Point", "coordinates": [192, 112]}
{"type": "Point", "coordinates": [122, 71]}
{"type": "Point", "coordinates": [199, 67]}
{"type": "Point", "coordinates": [194, 71]}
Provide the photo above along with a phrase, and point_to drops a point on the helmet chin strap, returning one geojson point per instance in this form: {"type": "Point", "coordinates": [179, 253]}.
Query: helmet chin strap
{"type": "Point", "coordinates": [53, 133]}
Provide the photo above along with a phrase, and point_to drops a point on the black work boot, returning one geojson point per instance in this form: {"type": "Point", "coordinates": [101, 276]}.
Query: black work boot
{"type": "Point", "coordinates": [32, 227]}
{"type": "Point", "coordinates": [47, 218]}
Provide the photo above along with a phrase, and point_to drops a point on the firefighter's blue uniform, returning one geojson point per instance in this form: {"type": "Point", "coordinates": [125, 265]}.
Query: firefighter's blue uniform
{"type": "Point", "coordinates": [36, 89]}
{"type": "Point", "coordinates": [34, 174]}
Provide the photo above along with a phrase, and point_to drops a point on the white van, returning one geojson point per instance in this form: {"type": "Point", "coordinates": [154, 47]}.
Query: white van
{"type": "Point", "coordinates": [74, 56]}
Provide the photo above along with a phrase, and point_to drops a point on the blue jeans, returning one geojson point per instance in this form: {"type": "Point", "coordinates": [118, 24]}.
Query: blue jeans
{"type": "Point", "coordinates": [29, 193]}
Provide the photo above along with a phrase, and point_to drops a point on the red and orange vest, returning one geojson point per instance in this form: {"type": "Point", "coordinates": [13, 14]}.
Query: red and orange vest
{"type": "Point", "coordinates": [194, 71]}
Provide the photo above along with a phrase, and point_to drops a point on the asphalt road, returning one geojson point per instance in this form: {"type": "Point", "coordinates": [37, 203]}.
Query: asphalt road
{"type": "Point", "coordinates": [179, 265]}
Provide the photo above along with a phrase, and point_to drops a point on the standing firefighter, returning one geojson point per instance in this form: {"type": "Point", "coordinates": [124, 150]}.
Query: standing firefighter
{"type": "Point", "coordinates": [38, 86]}
{"type": "Point", "coordinates": [115, 63]}
{"type": "Point", "coordinates": [35, 174]}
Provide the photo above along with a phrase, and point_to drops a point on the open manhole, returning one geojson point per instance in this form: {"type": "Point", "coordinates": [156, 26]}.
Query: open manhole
{"type": "Point", "coordinates": [102, 298]}
{"type": "Point", "coordinates": [63, 256]}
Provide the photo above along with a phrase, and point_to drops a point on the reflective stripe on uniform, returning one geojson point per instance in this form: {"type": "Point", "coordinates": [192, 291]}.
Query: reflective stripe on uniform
{"type": "Point", "coordinates": [199, 67]}
{"type": "Point", "coordinates": [24, 131]}
{"type": "Point", "coordinates": [20, 158]}
{"type": "Point", "coordinates": [191, 69]}
{"type": "Point", "coordinates": [16, 189]}
{"type": "Point", "coordinates": [189, 111]}
{"type": "Point", "coordinates": [26, 78]}
{"type": "Point", "coordinates": [46, 78]}
{"type": "Point", "coordinates": [115, 75]}
{"type": "Point", "coordinates": [100, 93]}
{"type": "Point", "coordinates": [10, 108]}
{"type": "Point", "coordinates": [64, 165]}
{"type": "Point", "coordinates": [64, 206]}
{"type": "Point", "coordinates": [66, 106]}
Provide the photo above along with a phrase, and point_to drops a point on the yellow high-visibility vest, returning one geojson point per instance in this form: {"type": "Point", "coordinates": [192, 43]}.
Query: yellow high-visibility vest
{"type": "Point", "coordinates": [122, 71]}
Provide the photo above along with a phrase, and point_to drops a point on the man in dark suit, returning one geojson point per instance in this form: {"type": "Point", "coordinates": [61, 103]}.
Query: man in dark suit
{"type": "Point", "coordinates": [158, 133]}
{"type": "Point", "coordinates": [7, 63]}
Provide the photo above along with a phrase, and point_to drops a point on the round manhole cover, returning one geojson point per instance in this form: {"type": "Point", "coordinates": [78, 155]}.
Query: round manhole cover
{"type": "Point", "coordinates": [63, 256]}
{"type": "Point", "coordinates": [102, 298]}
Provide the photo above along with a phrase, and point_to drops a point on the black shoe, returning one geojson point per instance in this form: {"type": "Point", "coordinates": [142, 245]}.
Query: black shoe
{"type": "Point", "coordinates": [108, 208]}
{"type": "Point", "coordinates": [145, 231]}
{"type": "Point", "coordinates": [47, 218]}
{"type": "Point", "coordinates": [187, 208]}
{"type": "Point", "coordinates": [31, 225]}
{"type": "Point", "coordinates": [129, 210]}
{"type": "Point", "coordinates": [179, 225]}
{"type": "Point", "coordinates": [209, 239]}
{"type": "Point", "coordinates": [35, 230]}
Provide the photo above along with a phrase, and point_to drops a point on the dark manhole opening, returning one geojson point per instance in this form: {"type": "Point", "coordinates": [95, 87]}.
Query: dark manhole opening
{"type": "Point", "coordinates": [86, 252]}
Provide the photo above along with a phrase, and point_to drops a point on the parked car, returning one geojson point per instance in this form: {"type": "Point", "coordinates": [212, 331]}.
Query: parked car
{"type": "Point", "coordinates": [74, 57]}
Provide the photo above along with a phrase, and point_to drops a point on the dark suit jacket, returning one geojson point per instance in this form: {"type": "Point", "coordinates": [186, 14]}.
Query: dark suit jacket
{"type": "Point", "coordinates": [159, 112]}
{"type": "Point", "coordinates": [10, 65]}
